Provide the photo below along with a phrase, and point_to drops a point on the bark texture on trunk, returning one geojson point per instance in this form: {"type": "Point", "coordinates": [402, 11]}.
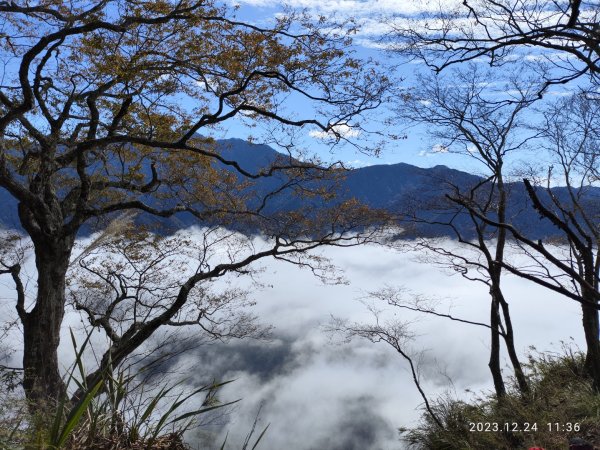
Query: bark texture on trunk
{"type": "Point", "coordinates": [494, 363]}
{"type": "Point", "coordinates": [42, 325]}
{"type": "Point", "coordinates": [496, 290]}
{"type": "Point", "coordinates": [591, 330]}
{"type": "Point", "coordinates": [509, 340]}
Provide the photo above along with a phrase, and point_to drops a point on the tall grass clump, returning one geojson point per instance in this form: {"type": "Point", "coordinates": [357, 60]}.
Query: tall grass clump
{"type": "Point", "coordinates": [562, 405]}
{"type": "Point", "coordinates": [118, 412]}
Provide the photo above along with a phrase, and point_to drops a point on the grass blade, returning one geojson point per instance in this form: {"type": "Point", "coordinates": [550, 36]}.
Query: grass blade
{"type": "Point", "coordinates": [260, 437]}
{"type": "Point", "coordinates": [76, 413]}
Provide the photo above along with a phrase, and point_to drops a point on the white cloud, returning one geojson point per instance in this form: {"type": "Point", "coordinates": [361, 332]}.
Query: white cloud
{"type": "Point", "coordinates": [362, 7]}
{"type": "Point", "coordinates": [357, 163]}
{"type": "Point", "coordinates": [471, 149]}
{"type": "Point", "coordinates": [343, 130]}
{"type": "Point", "coordinates": [560, 93]}
{"type": "Point", "coordinates": [310, 395]}
{"type": "Point", "coordinates": [208, 84]}
{"type": "Point", "coordinates": [313, 389]}
{"type": "Point", "coordinates": [423, 16]}
{"type": "Point", "coordinates": [370, 43]}
{"type": "Point", "coordinates": [439, 148]}
{"type": "Point", "coordinates": [435, 150]}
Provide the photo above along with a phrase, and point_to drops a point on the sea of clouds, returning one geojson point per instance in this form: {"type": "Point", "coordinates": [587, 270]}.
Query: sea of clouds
{"type": "Point", "coordinates": [317, 391]}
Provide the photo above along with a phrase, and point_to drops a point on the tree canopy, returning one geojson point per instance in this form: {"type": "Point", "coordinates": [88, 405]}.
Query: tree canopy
{"type": "Point", "coordinates": [111, 106]}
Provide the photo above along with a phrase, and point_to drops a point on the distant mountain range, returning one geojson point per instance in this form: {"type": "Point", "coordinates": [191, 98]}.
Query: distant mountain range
{"type": "Point", "coordinates": [400, 188]}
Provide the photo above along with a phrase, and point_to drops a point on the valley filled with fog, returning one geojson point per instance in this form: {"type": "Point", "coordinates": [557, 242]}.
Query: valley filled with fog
{"type": "Point", "coordinates": [315, 389]}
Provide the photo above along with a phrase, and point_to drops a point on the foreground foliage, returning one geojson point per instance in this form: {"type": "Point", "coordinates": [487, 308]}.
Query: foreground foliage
{"type": "Point", "coordinates": [122, 411]}
{"type": "Point", "coordinates": [561, 393]}
{"type": "Point", "coordinates": [113, 107]}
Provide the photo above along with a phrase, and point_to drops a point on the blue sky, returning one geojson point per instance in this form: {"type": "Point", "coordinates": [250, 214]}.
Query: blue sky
{"type": "Point", "coordinates": [418, 148]}
{"type": "Point", "coordinates": [412, 149]}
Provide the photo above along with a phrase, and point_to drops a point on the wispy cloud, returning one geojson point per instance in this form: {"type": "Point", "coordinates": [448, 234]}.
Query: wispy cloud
{"type": "Point", "coordinates": [361, 8]}
{"type": "Point", "coordinates": [356, 163]}
{"type": "Point", "coordinates": [435, 150]}
{"type": "Point", "coordinates": [342, 130]}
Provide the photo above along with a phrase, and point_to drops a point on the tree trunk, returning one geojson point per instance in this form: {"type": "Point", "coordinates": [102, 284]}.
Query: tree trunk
{"type": "Point", "coordinates": [41, 326]}
{"type": "Point", "coordinates": [494, 363]}
{"type": "Point", "coordinates": [591, 329]}
{"type": "Point", "coordinates": [509, 340]}
{"type": "Point", "coordinates": [496, 291]}
{"type": "Point", "coordinates": [495, 270]}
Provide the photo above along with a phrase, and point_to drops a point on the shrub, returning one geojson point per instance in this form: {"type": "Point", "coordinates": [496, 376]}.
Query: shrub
{"type": "Point", "coordinates": [561, 405]}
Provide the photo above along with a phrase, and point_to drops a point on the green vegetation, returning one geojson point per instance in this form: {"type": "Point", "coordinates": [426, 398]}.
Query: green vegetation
{"type": "Point", "coordinates": [561, 395]}
{"type": "Point", "coordinates": [116, 413]}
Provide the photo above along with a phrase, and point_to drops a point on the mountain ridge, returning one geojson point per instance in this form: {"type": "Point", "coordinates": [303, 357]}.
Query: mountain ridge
{"type": "Point", "coordinates": [398, 188]}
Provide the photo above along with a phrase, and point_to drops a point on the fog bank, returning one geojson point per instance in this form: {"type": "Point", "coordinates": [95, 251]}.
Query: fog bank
{"type": "Point", "coordinates": [317, 391]}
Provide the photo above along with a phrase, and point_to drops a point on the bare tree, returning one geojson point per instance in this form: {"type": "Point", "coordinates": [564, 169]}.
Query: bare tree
{"type": "Point", "coordinates": [108, 107]}
{"type": "Point", "coordinates": [569, 198]}
{"type": "Point", "coordinates": [465, 115]}
{"type": "Point", "coordinates": [394, 333]}
{"type": "Point", "coordinates": [128, 286]}
{"type": "Point", "coordinates": [562, 44]}
{"type": "Point", "coordinates": [561, 35]}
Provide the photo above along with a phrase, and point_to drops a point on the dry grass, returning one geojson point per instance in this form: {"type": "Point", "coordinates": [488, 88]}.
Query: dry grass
{"type": "Point", "coordinates": [117, 413]}
{"type": "Point", "coordinates": [171, 441]}
{"type": "Point", "coordinates": [17, 432]}
{"type": "Point", "coordinates": [561, 394]}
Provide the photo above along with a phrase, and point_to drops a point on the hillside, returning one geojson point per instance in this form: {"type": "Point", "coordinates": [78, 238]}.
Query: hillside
{"type": "Point", "coordinates": [400, 188]}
